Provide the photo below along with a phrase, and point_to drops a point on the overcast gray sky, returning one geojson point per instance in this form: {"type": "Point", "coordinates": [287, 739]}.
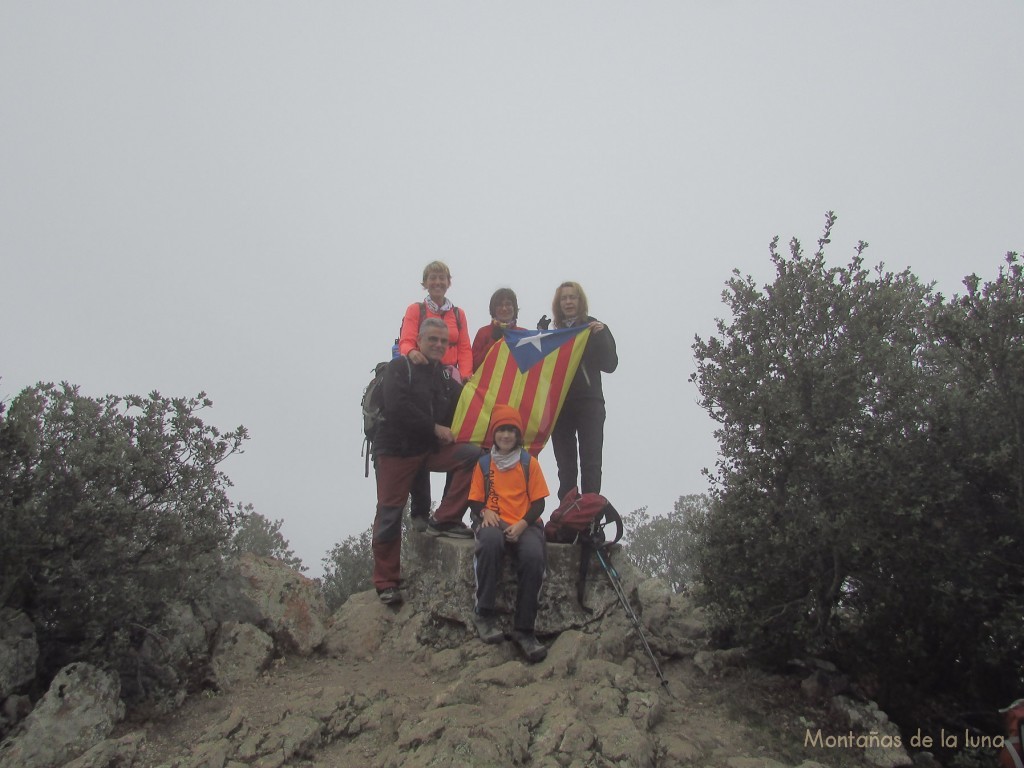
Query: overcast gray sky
{"type": "Point", "coordinates": [239, 197]}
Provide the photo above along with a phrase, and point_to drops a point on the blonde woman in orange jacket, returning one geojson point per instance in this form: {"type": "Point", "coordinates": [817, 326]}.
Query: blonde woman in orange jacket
{"type": "Point", "coordinates": [457, 360]}
{"type": "Point", "coordinates": [437, 279]}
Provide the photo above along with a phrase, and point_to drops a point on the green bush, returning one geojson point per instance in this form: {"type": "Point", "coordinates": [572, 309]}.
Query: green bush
{"type": "Point", "coordinates": [252, 532]}
{"type": "Point", "coordinates": [661, 545]}
{"type": "Point", "coordinates": [867, 501]}
{"type": "Point", "coordinates": [111, 509]}
{"type": "Point", "coordinates": [348, 569]}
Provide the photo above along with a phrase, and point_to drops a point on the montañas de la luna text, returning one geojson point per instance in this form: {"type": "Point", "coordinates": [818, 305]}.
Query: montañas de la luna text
{"type": "Point", "coordinates": [876, 740]}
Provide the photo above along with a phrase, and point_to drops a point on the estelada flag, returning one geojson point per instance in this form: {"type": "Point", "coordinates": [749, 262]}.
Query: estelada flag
{"type": "Point", "coordinates": [529, 370]}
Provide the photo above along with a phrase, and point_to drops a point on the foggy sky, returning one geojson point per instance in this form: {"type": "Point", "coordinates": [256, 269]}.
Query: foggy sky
{"type": "Point", "coordinates": [239, 198]}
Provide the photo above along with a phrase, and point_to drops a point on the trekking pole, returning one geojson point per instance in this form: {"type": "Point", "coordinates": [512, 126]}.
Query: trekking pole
{"type": "Point", "coordinates": [616, 581]}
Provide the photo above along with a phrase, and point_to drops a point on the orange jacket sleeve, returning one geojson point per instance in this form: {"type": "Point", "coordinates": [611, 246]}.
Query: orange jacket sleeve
{"type": "Point", "coordinates": [465, 347]}
{"type": "Point", "coordinates": [410, 329]}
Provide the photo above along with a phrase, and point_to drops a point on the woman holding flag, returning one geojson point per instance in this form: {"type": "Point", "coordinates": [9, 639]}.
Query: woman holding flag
{"type": "Point", "coordinates": [504, 314]}
{"type": "Point", "coordinates": [580, 425]}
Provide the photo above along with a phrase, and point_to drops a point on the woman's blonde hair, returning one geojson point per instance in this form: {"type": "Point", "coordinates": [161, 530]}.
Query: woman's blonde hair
{"type": "Point", "coordinates": [556, 305]}
{"type": "Point", "coordinates": [436, 266]}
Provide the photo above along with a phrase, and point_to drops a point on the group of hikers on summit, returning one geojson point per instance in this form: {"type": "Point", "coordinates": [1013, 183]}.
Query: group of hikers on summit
{"type": "Point", "coordinates": [499, 482]}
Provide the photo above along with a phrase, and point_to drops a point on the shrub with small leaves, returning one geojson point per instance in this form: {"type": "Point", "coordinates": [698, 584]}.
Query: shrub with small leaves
{"type": "Point", "coordinates": [662, 545]}
{"type": "Point", "coordinates": [348, 569]}
{"type": "Point", "coordinates": [111, 508]}
{"type": "Point", "coordinates": [868, 495]}
{"type": "Point", "coordinates": [255, 533]}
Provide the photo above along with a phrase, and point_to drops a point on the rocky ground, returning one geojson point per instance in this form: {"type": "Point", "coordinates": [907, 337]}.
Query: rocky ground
{"type": "Point", "coordinates": [281, 683]}
{"type": "Point", "coordinates": [405, 703]}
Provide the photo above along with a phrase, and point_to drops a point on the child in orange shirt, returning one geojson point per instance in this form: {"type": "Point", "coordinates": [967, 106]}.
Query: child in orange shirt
{"type": "Point", "coordinates": [507, 505]}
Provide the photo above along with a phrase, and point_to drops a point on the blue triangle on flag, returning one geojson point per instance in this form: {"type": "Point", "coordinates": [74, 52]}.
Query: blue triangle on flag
{"type": "Point", "coordinates": [530, 347]}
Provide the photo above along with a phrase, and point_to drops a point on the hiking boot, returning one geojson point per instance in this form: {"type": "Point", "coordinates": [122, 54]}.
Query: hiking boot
{"type": "Point", "coordinates": [418, 523]}
{"type": "Point", "coordinates": [455, 529]}
{"type": "Point", "coordinates": [487, 629]}
{"type": "Point", "coordinates": [532, 648]}
{"type": "Point", "coordinates": [389, 595]}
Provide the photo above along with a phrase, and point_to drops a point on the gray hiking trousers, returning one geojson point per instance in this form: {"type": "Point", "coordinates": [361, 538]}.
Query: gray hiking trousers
{"type": "Point", "coordinates": [530, 563]}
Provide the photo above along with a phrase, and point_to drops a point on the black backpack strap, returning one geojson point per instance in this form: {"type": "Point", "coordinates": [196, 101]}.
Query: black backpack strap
{"type": "Point", "coordinates": [423, 314]}
{"type": "Point", "coordinates": [485, 466]}
{"type": "Point", "coordinates": [586, 552]}
{"type": "Point", "coordinates": [612, 517]}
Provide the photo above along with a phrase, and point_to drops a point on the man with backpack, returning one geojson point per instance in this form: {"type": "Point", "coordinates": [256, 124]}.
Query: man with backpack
{"type": "Point", "coordinates": [418, 401]}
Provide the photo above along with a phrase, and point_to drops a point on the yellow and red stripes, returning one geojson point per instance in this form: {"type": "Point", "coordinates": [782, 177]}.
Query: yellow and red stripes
{"type": "Point", "coordinates": [537, 394]}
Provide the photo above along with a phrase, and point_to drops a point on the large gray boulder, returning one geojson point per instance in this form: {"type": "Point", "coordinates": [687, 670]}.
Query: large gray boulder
{"type": "Point", "coordinates": [241, 653]}
{"type": "Point", "coordinates": [79, 711]}
{"type": "Point", "coordinates": [18, 654]}
{"type": "Point", "coordinates": [18, 651]}
{"type": "Point", "coordinates": [171, 661]}
{"type": "Point", "coordinates": [883, 746]}
{"type": "Point", "coordinates": [358, 628]}
{"type": "Point", "coordinates": [267, 593]}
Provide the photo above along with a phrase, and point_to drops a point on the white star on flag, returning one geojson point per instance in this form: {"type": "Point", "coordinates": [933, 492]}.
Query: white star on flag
{"type": "Point", "coordinates": [535, 340]}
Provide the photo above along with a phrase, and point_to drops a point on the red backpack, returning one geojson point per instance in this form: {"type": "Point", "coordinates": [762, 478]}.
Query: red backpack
{"type": "Point", "coordinates": [582, 519]}
{"type": "Point", "coordinates": [1012, 755]}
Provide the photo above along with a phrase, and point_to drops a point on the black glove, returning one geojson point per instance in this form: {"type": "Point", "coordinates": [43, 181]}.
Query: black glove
{"type": "Point", "coordinates": [497, 330]}
{"type": "Point", "coordinates": [544, 323]}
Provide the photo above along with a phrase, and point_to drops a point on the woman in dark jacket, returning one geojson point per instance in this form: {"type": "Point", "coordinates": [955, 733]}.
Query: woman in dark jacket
{"type": "Point", "coordinates": [580, 424]}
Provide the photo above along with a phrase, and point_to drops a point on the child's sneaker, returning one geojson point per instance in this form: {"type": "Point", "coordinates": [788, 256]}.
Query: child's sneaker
{"type": "Point", "coordinates": [389, 595]}
{"type": "Point", "coordinates": [532, 648]}
{"type": "Point", "coordinates": [487, 629]}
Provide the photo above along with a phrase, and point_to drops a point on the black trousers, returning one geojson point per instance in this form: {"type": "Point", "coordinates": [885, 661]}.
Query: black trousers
{"type": "Point", "coordinates": [419, 496]}
{"type": "Point", "coordinates": [581, 420]}
{"type": "Point", "coordinates": [419, 502]}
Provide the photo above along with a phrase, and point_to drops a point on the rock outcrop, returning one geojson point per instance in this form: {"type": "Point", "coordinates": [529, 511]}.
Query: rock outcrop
{"type": "Point", "coordinates": [79, 710]}
{"type": "Point", "coordinates": [279, 600]}
{"type": "Point", "coordinates": [18, 654]}
{"type": "Point", "coordinates": [18, 651]}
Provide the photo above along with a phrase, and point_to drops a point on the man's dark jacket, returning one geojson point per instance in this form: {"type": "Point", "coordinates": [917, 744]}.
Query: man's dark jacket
{"type": "Point", "coordinates": [416, 397]}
